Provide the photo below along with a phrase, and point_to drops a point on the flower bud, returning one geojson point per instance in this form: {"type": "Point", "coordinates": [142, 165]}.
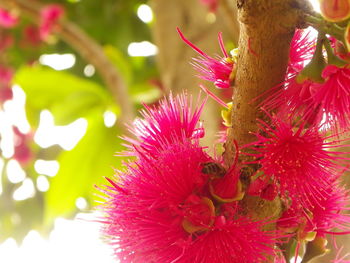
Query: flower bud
{"type": "Point", "coordinates": [335, 10]}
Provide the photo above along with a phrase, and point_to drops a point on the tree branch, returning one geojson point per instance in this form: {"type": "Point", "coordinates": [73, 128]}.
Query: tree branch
{"type": "Point", "coordinates": [88, 48]}
{"type": "Point", "coordinates": [266, 30]}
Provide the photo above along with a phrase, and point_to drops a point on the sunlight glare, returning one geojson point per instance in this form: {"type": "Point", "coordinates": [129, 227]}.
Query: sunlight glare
{"type": "Point", "coordinates": [42, 183]}
{"type": "Point", "coordinates": [25, 191]}
{"type": "Point", "coordinates": [58, 61]}
{"type": "Point", "coordinates": [14, 171]}
{"type": "Point", "coordinates": [142, 49]}
{"type": "Point", "coordinates": [49, 168]}
{"type": "Point", "coordinates": [144, 12]}
{"type": "Point", "coordinates": [67, 136]}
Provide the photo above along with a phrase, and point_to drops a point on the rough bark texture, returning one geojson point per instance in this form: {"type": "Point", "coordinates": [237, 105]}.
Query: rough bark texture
{"type": "Point", "coordinates": [174, 55]}
{"type": "Point", "coordinates": [266, 30]}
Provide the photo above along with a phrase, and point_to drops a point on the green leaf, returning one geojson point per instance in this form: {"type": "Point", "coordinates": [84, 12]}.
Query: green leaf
{"type": "Point", "coordinates": [67, 96]}
{"type": "Point", "coordinates": [83, 167]}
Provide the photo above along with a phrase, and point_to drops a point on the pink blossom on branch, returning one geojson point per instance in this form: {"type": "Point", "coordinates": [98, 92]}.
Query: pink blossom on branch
{"type": "Point", "coordinates": [295, 94]}
{"type": "Point", "coordinates": [297, 158]}
{"type": "Point", "coordinates": [49, 16]}
{"type": "Point", "coordinates": [7, 20]}
{"type": "Point", "coordinates": [333, 96]}
{"type": "Point", "coordinates": [155, 214]}
{"type": "Point", "coordinates": [326, 215]}
{"type": "Point", "coordinates": [217, 70]}
{"type": "Point", "coordinates": [302, 47]}
{"type": "Point", "coordinates": [174, 120]}
{"type": "Point", "coordinates": [160, 208]}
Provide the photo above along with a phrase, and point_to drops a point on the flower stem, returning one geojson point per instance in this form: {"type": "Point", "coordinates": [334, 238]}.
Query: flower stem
{"type": "Point", "coordinates": [327, 27]}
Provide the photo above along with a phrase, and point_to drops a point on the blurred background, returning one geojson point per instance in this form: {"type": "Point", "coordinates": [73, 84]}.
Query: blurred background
{"type": "Point", "coordinates": [72, 73]}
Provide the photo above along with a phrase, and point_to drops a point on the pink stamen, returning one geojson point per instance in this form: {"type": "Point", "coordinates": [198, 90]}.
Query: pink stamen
{"type": "Point", "coordinates": [216, 98]}
{"type": "Point", "coordinates": [222, 46]}
{"type": "Point", "coordinates": [190, 44]}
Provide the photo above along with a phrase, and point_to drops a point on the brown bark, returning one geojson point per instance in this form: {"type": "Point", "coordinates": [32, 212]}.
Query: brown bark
{"type": "Point", "coordinates": [266, 30]}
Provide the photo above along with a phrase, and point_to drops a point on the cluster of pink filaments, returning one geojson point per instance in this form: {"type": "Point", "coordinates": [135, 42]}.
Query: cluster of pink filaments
{"type": "Point", "coordinates": [175, 203]}
{"type": "Point", "coordinates": [298, 148]}
{"type": "Point", "coordinates": [171, 203]}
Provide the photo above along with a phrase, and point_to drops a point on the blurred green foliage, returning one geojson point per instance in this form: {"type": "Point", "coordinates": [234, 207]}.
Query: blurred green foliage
{"type": "Point", "coordinates": [70, 95]}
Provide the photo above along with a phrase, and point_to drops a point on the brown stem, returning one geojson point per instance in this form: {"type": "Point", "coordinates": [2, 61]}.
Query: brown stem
{"type": "Point", "coordinates": [88, 48]}
{"type": "Point", "coordinates": [266, 30]}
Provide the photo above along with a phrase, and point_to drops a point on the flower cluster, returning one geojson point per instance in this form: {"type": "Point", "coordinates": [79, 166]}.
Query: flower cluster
{"type": "Point", "coordinates": [298, 148]}
{"type": "Point", "coordinates": [7, 20]}
{"type": "Point", "coordinates": [176, 203]}
{"type": "Point", "coordinates": [318, 92]}
{"type": "Point", "coordinates": [50, 15]}
{"type": "Point", "coordinates": [173, 202]}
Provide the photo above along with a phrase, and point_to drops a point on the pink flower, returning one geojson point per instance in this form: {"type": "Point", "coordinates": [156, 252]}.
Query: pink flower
{"type": "Point", "coordinates": [297, 159]}
{"type": "Point", "coordinates": [211, 4]}
{"type": "Point", "coordinates": [50, 15]}
{"type": "Point", "coordinates": [23, 154]}
{"type": "Point", "coordinates": [325, 215]}
{"type": "Point", "coordinates": [297, 95]}
{"type": "Point", "coordinates": [175, 120]}
{"type": "Point", "coordinates": [217, 70]}
{"type": "Point", "coordinates": [160, 211]}
{"type": "Point", "coordinates": [7, 20]}
{"type": "Point", "coordinates": [333, 96]}
{"type": "Point", "coordinates": [302, 47]}
{"type": "Point", "coordinates": [160, 208]}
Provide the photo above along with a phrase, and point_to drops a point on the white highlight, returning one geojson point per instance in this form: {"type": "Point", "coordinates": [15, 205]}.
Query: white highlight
{"type": "Point", "coordinates": [25, 191]}
{"type": "Point", "coordinates": [144, 12]}
{"type": "Point", "coordinates": [7, 136]}
{"type": "Point", "coordinates": [15, 109]}
{"type": "Point", "coordinates": [109, 118]}
{"type": "Point", "coordinates": [316, 5]}
{"type": "Point", "coordinates": [81, 203]}
{"type": "Point", "coordinates": [89, 70]}
{"type": "Point", "coordinates": [1, 173]}
{"type": "Point", "coordinates": [142, 49]}
{"type": "Point", "coordinates": [67, 136]}
{"type": "Point", "coordinates": [14, 171]}
{"type": "Point", "coordinates": [70, 241]}
{"type": "Point", "coordinates": [292, 260]}
{"type": "Point", "coordinates": [49, 168]}
{"type": "Point", "coordinates": [42, 183]}
{"type": "Point", "coordinates": [58, 61]}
